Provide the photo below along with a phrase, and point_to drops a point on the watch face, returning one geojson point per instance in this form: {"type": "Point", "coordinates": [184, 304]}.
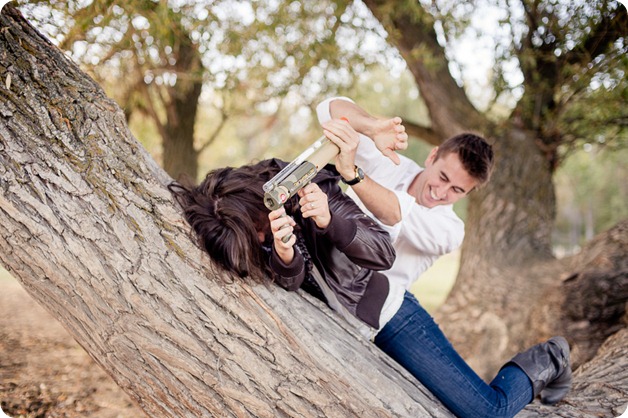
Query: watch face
{"type": "Point", "coordinates": [359, 176]}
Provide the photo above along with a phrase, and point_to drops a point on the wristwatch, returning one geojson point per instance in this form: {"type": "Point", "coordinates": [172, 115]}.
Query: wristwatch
{"type": "Point", "coordinates": [359, 176]}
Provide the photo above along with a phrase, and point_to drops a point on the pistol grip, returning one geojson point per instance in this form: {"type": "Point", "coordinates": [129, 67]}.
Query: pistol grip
{"type": "Point", "coordinates": [287, 237]}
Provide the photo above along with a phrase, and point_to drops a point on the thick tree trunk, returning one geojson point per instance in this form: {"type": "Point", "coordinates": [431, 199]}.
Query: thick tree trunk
{"type": "Point", "coordinates": [589, 303]}
{"type": "Point", "coordinates": [89, 229]}
{"type": "Point", "coordinates": [509, 221]}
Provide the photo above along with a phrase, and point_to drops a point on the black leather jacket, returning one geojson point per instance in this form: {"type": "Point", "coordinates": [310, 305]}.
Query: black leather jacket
{"type": "Point", "coordinates": [348, 253]}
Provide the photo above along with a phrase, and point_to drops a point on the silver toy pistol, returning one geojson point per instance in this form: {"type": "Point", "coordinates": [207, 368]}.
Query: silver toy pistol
{"type": "Point", "coordinates": [298, 173]}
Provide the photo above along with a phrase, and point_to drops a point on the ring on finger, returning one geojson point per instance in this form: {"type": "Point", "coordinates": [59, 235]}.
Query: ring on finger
{"type": "Point", "coordinates": [312, 206]}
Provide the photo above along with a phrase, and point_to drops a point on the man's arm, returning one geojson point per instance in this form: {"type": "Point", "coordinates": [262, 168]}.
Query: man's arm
{"type": "Point", "coordinates": [364, 241]}
{"type": "Point", "coordinates": [389, 134]}
{"type": "Point", "coordinates": [380, 201]}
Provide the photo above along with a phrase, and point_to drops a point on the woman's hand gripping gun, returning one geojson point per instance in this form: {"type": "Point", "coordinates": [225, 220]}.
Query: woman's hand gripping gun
{"type": "Point", "coordinates": [298, 174]}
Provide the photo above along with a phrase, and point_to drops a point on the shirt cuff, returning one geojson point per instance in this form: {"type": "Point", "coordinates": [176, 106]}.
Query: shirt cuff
{"type": "Point", "coordinates": [406, 203]}
{"type": "Point", "coordinates": [323, 111]}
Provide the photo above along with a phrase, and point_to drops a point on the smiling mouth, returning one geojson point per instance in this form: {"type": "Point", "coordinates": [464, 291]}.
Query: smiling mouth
{"type": "Point", "coordinates": [432, 195]}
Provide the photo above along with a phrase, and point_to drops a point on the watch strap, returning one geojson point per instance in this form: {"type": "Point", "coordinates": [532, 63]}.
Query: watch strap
{"type": "Point", "coordinates": [359, 176]}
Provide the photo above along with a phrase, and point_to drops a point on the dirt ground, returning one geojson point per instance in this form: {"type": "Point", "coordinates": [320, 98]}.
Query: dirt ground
{"type": "Point", "coordinates": [44, 372]}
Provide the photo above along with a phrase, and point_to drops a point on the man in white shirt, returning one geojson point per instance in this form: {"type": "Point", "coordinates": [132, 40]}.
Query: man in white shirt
{"type": "Point", "coordinates": [414, 204]}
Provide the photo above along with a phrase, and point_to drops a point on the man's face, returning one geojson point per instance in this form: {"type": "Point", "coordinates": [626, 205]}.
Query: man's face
{"type": "Point", "coordinates": [443, 182]}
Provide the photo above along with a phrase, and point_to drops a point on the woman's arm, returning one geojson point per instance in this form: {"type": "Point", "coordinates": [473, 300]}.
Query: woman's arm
{"type": "Point", "coordinates": [358, 236]}
{"type": "Point", "coordinates": [287, 264]}
{"type": "Point", "coordinates": [289, 276]}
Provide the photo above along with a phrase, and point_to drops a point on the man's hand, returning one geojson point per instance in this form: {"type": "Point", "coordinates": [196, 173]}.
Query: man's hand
{"type": "Point", "coordinates": [341, 133]}
{"type": "Point", "coordinates": [389, 136]}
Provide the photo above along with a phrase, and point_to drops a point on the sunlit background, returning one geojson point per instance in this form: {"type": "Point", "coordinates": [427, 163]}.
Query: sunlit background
{"type": "Point", "coordinates": [263, 66]}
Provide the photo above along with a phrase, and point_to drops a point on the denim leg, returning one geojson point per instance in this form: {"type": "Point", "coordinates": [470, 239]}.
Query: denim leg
{"type": "Point", "coordinates": [415, 341]}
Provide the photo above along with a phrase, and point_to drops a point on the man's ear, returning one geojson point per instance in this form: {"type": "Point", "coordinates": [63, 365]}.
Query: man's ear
{"type": "Point", "coordinates": [431, 157]}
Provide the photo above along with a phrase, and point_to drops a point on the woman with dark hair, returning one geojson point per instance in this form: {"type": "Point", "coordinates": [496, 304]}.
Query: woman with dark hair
{"type": "Point", "coordinates": [228, 215]}
{"type": "Point", "coordinates": [336, 253]}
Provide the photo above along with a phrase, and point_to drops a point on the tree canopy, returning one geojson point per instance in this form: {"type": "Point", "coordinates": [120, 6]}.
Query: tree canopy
{"type": "Point", "coordinates": [248, 58]}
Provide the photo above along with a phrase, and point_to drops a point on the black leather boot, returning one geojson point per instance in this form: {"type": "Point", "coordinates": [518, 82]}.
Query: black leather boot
{"type": "Point", "coordinates": [548, 367]}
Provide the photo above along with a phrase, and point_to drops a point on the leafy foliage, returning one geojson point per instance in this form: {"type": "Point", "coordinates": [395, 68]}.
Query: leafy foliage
{"type": "Point", "coordinates": [253, 57]}
{"type": "Point", "coordinates": [571, 54]}
{"type": "Point", "coordinates": [558, 65]}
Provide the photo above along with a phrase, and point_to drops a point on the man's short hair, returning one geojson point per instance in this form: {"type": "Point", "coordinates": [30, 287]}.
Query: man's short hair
{"type": "Point", "coordinates": [475, 153]}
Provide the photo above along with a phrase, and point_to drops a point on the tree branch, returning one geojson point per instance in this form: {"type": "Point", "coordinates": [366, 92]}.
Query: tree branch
{"type": "Point", "coordinates": [610, 28]}
{"type": "Point", "coordinates": [424, 133]}
{"type": "Point", "coordinates": [149, 107]}
{"type": "Point", "coordinates": [411, 30]}
{"type": "Point", "coordinates": [223, 120]}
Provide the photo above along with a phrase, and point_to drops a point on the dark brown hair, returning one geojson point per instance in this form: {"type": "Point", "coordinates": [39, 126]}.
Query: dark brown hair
{"type": "Point", "coordinates": [475, 153]}
{"type": "Point", "coordinates": [226, 210]}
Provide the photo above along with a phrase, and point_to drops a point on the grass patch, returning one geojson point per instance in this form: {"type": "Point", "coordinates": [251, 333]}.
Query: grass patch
{"type": "Point", "coordinates": [5, 275]}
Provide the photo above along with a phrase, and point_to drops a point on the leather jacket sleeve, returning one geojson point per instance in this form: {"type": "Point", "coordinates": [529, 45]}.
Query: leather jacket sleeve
{"type": "Point", "coordinates": [355, 234]}
{"type": "Point", "coordinates": [363, 242]}
{"type": "Point", "coordinates": [289, 276]}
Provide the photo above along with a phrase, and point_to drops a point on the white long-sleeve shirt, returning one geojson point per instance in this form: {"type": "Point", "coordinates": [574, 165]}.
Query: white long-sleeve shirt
{"type": "Point", "coordinates": [423, 234]}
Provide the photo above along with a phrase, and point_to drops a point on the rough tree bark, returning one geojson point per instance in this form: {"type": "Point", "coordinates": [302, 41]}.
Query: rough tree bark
{"type": "Point", "coordinates": [91, 232]}
{"type": "Point", "coordinates": [507, 264]}
{"type": "Point", "coordinates": [589, 303]}
{"type": "Point", "coordinates": [89, 229]}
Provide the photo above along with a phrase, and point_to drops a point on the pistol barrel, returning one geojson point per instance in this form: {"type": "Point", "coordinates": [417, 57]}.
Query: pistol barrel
{"type": "Point", "coordinates": [298, 173]}
{"type": "Point", "coordinates": [291, 184]}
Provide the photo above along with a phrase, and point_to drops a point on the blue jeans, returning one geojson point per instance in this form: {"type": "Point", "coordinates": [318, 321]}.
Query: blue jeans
{"type": "Point", "coordinates": [415, 341]}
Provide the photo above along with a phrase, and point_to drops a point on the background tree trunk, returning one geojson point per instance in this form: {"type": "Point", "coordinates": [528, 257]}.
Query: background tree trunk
{"type": "Point", "coordinates": [180, 156]}
{"type": "Point", "coordinates": [91, 232]}
{"type": "Point", "coordinates": [589, 299]}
